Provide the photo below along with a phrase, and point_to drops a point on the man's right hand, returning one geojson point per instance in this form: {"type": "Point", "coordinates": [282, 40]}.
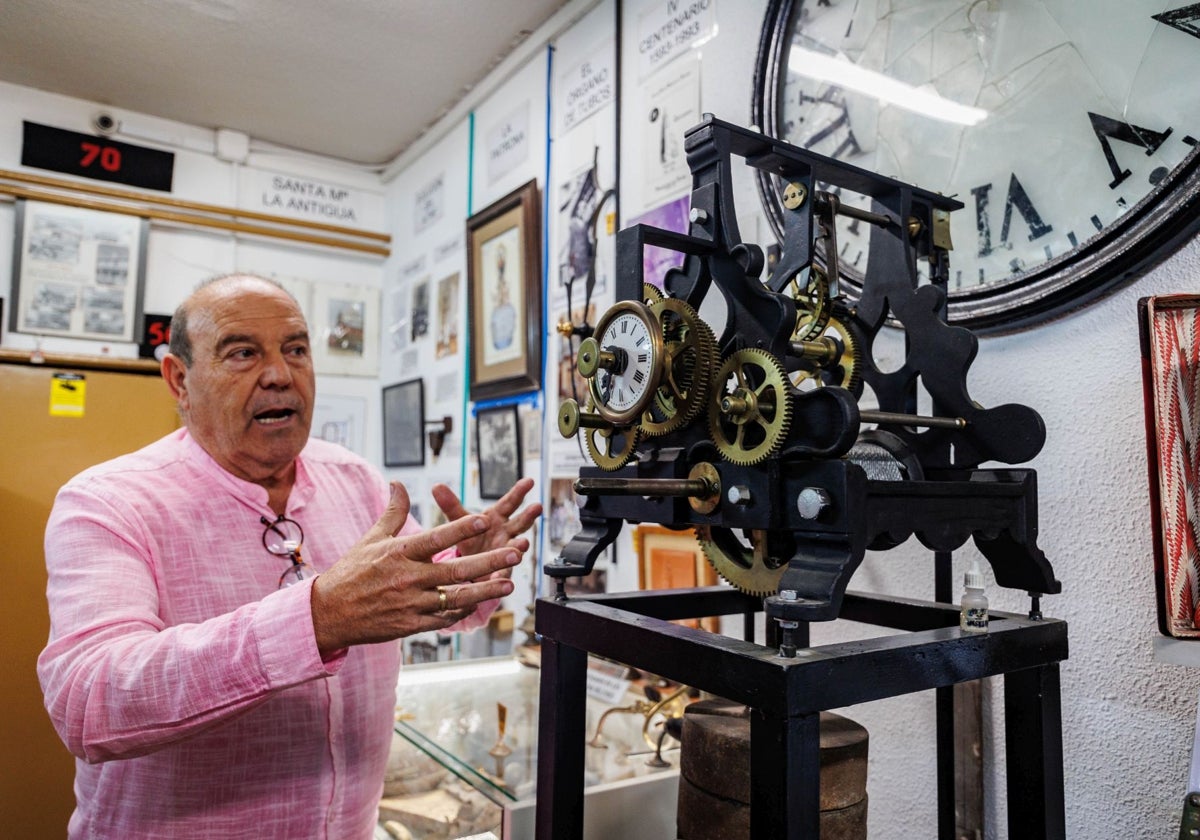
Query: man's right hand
{"type": "Point", "coordinates": [388, 586]}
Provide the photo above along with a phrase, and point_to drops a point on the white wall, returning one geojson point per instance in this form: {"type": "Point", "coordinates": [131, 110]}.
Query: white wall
{"type": "Point", "coordinates": [179, 257]}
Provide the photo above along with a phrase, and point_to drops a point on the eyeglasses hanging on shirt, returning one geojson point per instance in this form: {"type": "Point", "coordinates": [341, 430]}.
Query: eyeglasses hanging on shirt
{"type": "Point", "coordinates": [283, 538]}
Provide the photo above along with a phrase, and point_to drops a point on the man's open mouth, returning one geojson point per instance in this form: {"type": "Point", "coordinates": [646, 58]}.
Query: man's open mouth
{"type": "Point", "coordinates": [274, 415]}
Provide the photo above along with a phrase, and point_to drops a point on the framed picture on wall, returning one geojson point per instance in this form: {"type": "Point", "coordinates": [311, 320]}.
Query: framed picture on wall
{"type": "Point", "coordinates": [340, 420]}
{"type": "Point", "coordinates": [77, 273]}
{"type": "Point", "coordinates": [498, 441]}
{"type": "Point", "coordinates": [504, 282]}
{"type": "Point", "coordinates": [669, 559]}
{"type": "Point", "coordinates": [1170, 343]}
{"type": "Point", "coordinates": [404, 424]}
{"type": "Point", "coordinates": [345, 325]}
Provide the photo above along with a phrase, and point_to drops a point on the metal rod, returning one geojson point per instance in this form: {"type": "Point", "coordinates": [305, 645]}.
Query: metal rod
{"type": "Point", "coordinates": [697, 487]}
{"type": "Point", "coordinates": [824, 350]}
{"type": "Point", "coordinates": [913, 419]}
{"type": "Point", "coordinates": [861, 215]}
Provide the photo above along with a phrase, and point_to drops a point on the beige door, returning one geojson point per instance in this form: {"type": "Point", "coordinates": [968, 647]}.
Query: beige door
{"type": "Point", "coordinates": [38, 453]}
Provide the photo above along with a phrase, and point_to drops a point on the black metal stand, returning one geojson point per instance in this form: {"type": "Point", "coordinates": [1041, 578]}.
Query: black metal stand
{"type": "Point", "coordinates": [786, 695]}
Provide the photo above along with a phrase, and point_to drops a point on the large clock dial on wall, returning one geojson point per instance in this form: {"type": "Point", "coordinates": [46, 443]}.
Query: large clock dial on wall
{"type": "Point", "coordinates": [1068, 128]}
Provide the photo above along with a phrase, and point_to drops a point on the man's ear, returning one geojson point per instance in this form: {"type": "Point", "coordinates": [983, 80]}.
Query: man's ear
{"type": "Point", "coordinates": [174, 373]}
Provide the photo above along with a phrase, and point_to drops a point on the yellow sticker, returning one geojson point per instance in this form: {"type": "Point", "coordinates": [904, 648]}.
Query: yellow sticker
{"type": "Point", "coordinates": [67, 392]}
{"type": "Point", "coordinates": [610, 223]}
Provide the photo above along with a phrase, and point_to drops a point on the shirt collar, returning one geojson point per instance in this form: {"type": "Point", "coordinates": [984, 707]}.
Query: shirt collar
{"type": "Point", "coordinates": [252, 495]}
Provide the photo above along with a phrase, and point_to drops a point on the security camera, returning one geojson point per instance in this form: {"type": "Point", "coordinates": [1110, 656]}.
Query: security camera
{"type": "Point", "coordinates": [105, 123]}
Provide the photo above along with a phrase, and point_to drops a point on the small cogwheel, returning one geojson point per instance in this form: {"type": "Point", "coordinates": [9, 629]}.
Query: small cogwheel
{"type": "Point", "coordinates": [754, 568]}
{"type": "Point", "coordinates": [750, 408]}
{"type": "Point", "coordinates": [846, 372]}
{"type": "Point", "coordinates": [813, 305]}
{"type": "Point", "coordinates": [651, 294]}
{"type": "Point", "coordinates": [690, 353]}
{"type": "Point", "coordinates": [611, 447]}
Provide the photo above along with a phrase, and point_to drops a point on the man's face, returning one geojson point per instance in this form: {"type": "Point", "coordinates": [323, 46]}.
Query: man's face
{"type": "Point", "coordinates": [248, 396]}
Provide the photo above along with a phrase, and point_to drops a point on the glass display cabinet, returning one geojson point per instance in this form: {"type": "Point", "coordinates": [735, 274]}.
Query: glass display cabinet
{"type": "Point", "coordinates": [464, 756]}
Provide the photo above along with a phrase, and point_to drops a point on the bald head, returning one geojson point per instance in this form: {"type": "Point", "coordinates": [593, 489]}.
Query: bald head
{"type": "Point", "coordinates": [240, 370]}
{"type": "Point", "coordinates": [181, 340]}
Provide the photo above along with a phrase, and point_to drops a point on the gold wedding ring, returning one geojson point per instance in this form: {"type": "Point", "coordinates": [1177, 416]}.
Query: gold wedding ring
{"type": "Point", "coordinates": [442, 601]}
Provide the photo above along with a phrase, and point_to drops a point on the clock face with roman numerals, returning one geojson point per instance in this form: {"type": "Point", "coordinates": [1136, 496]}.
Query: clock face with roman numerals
{"type": "Point", "coordinates": [1068, 128]}
{"type": "Point", "coordinates": [625, 384]}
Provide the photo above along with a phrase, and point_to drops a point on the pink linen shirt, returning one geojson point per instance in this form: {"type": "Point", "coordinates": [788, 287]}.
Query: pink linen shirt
{"type": "Point", "coordinates": [188, 686]}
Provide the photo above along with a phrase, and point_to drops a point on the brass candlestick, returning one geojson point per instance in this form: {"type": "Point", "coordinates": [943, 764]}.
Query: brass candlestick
{"type": "Point", "coordinates": [500, 750]}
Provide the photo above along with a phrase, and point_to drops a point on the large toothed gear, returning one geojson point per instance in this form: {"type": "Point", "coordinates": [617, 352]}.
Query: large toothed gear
{"type": "Point", "coordinates": [813, 304]}
{"type": "Point", "coordinates": [690, 354]}
{"type": "Point", "coordinates": [610, 447]}
{"type": "Point", "coordinates": [753, 565]}
{"type": "Point", "coordinates": [846, 372]}
{"type": "Point", "coordinates": [750, 409]}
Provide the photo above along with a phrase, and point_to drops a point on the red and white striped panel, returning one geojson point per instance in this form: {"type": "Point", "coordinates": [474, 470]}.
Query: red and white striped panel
{"type": "Point", "coordinates": [1176, 371]}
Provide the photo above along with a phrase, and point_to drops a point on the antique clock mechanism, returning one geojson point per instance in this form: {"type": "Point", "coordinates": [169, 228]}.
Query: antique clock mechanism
{"type": "Point", "coordinates": [756, 437]}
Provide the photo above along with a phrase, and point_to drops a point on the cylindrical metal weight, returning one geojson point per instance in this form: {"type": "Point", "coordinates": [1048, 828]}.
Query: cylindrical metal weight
{"type": "Point", "coordinates": [714, 787]}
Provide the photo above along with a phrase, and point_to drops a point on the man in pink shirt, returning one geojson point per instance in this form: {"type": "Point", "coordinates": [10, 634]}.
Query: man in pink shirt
{"type": "Point", "coordinates": [225, 602]}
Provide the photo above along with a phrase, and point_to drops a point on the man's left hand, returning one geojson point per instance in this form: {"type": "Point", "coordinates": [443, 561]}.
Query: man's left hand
{"type": "Point", "coordinates": [505, 524]}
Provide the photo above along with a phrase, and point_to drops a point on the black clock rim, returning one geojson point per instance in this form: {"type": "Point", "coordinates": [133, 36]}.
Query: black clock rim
{"type": "Point", "coordinates": [1157, 226]}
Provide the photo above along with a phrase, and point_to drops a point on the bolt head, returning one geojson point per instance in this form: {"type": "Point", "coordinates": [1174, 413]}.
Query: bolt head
{"type": "Point", "coordinates": [811, 502]}
{"type": "Point", "coordinates": [738, 494]}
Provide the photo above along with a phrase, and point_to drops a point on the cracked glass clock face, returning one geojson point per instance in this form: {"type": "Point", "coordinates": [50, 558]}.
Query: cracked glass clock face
{"type": "Point", "coordinates": [1068, 129]}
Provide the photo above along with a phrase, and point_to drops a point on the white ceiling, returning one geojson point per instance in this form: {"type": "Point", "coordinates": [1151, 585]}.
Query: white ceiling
{"type": "Point", "coordinates": [357, 80]}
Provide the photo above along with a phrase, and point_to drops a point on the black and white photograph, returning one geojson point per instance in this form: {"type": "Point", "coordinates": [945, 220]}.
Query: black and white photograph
{"type": "Point", "coordinates": [499, 444]}
{"type": "Point", "coordinates": [404, 424]}
{"type": "Point", "coordinates": [103, 311]}
{"type": "Point", "coordinates": [51, 307]}
{"type": "Point", "coordinates": [420, 309]}
{"type": "Point", "coordinates": [78, 273]}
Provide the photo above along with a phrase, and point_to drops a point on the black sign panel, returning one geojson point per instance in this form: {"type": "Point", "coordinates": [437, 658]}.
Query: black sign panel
{"type": "Point", "coordinates": [100, 158]}
{"type": "Point", "coordinates": [156, 336]}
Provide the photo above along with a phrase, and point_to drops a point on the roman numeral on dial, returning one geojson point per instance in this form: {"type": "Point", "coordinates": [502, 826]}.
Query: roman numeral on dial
{"type": "Point", "coordinates": [1183, 19]}
{"type": "Point", "coordinates": [1107, 129]}
{"type": "Point", "coordinates": [1017, 198]}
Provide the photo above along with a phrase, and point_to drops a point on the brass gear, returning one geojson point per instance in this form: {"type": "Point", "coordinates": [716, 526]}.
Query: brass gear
{"type": "Point", "coordinates": [688, 361]}
{"type": "Point", "coordinates": [651, 294]}
{"type": "Point", "coordinates": [847, 373]}
{"type": "Point", "coordinates": [755, 568]}
{"type": "Point", "coordinates": [750, 408]}
{"type": "Point", "coordinates": [611, 447]}
{"type": "Point", "coordinates": [813, 304]}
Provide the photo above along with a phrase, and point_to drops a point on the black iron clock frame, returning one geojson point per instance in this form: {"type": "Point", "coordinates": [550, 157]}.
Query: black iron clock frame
{"type": "Point", "coordinates": [944, 500]}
